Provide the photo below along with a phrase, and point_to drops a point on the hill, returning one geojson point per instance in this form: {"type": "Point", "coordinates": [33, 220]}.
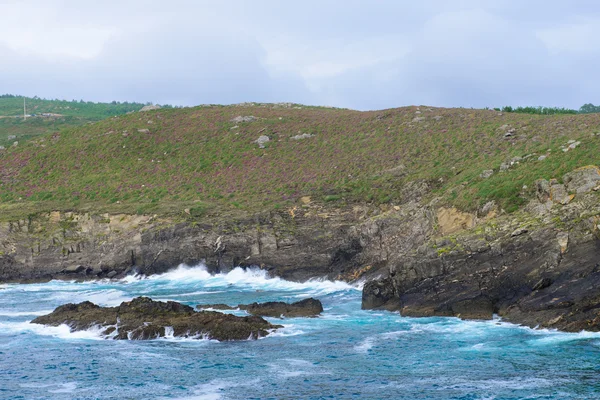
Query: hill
{"type": "Point", "coordinates": [47, 116]}
{"type": "Point", "coordinates": [210, 159]}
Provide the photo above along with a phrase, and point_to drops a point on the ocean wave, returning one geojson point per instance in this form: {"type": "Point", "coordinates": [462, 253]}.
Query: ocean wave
{"type": "Point", "coordinates": [62, 331]}
{"type": "Point", "coordinates": [6, 313]}
{"type": "Point", "coordinates": [244, 278]}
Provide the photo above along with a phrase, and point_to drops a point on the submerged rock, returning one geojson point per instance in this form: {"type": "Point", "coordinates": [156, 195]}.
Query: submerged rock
{"type": "Point", "coordinates": [277, 309]}
{"type": "Point", "coordinates": [143, 318]}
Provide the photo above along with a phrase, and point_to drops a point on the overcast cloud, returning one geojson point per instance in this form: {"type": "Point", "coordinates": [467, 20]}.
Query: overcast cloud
{"type": "Point", "coordinates": [367, 54]}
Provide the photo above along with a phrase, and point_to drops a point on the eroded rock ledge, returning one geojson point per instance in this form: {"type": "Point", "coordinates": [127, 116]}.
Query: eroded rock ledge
{"type": "Point", "coordinates": [277, 309]}
{"type": "Point", "coordinates": [143, 318]}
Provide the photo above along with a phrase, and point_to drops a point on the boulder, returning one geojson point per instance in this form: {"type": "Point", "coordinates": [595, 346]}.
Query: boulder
{"type": "Point", "coordinates": [143, 318]}
{"type": "Point", "coordinates": [305, 308]}
{"type": "Point", "coordinates": [486, 173]}
{"type": "Point", "coordinates": [262, 139]}
{"type": "Point", "coordinates": [111, 274]}
{"type": "Point", "coordinates": [74, 269]}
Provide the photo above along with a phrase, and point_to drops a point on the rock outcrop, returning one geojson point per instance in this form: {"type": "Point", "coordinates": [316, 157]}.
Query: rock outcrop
{"type": "Point", "coordinates": [143, 318]}
{"type": "Point", "coordinates": [277, 309]}
{"type": "Point", "coordinates": [539, 267]}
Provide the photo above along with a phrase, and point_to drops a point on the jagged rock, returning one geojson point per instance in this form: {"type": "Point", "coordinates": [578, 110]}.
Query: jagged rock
{"type": "Point", "coordinates": [559, 194]}
{"type": "Point", "coordinates": [582, 180]}
{"type": "Point", "coordinates": [542, 157]}
{"type": "Point", "coordinates": [262, 139]}
{"type": "Point", "coordinates": [149, 108]}
{"type": "Point", "coordinates": [277, 309]}
{"type": "Point", "coordinates": [142, 318]}
{"type": "Point", "coordinates": [542, 284]}
{"type": "Point", "coordinates": [379, 294]}
{"type": "Point", "coordinates": [247, 118]}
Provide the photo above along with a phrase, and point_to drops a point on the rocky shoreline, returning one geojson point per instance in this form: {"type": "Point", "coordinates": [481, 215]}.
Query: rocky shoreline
{"type": "Point", "coordinates": [143, 318]}
{"type": "Point", "coordinates": [539, 266]}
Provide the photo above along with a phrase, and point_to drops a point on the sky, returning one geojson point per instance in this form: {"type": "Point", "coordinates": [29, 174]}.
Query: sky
{"type": "Point", "coordinates": [360, 54]}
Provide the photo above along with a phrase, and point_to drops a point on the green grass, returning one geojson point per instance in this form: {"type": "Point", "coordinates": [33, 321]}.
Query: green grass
{"type": "Point", "coordinates": [196, 159]}
{"type": "Point", "coordinates": [65, 114]}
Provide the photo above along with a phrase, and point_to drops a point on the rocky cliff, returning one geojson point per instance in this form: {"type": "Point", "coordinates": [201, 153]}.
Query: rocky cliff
{"type": "Point", "coordinates": [539, 266]}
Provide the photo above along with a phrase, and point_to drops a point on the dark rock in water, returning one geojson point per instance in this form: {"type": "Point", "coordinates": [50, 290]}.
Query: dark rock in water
{"type": "Point", "coordinates": [111, 274]}
{"type": "Point", "coordinates": [219, 306]}
{"type": "Point", "coordinates": [143, 318]}
{"type": "Point", "coordinates": [379, 294]}
{"type": "Point", "coordinates": [305, 308]}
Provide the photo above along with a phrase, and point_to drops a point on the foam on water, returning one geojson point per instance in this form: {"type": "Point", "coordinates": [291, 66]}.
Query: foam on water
{"type": "Point", "coordinates": [345, 353]}
{"type": "Point", "coordinates": [6, 313]}
{"type": "Point", "coordinates": [248, 278]}
{"type": "Point", "coordinates": [61, 331]}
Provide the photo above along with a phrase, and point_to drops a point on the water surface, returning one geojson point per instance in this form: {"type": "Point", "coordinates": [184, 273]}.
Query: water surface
{"type": "Point", "coordinates": [345, 353]}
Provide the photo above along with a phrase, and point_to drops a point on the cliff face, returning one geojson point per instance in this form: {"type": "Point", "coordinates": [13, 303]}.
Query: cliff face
{"type": "Point", "coordinates": [539, 266]}
{"type": "Point", "coordinates": [296, 244]}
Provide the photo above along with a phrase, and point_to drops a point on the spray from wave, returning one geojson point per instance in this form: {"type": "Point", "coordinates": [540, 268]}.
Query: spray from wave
{"type": "Point", "coordinates": [240, 278]}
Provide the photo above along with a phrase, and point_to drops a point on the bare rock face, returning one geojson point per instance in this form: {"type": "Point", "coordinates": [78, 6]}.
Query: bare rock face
{"type": "Point", "coordinates": [452, 220]}
{"type": "Point", "coordinates": [277, 309]}
{"type": "Point", "coordinates": [582, 180]}
{"type": "Point", "coordinates": [150, 107]}
{"type": "Point", "coordinates": [142, 318]}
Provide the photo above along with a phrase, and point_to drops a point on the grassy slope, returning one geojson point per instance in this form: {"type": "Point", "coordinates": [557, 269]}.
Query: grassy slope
{"type": "Point", "coordinates": [195, 158]}
{"type": "Point", "coordinates": [73, 113]}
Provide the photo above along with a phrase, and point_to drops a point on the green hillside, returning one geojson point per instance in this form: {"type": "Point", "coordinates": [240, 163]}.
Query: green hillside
{"type": "Point", "coordinates": [204, 160]}
{"type": "Point", "coordinates": [59, 114]}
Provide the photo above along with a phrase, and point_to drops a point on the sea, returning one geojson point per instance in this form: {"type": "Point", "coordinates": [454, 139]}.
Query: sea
{"type": "Point", "coordinates": [346, 353]}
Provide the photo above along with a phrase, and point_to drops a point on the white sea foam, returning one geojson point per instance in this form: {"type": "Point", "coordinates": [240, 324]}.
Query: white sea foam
{"type": "Point", "coordinates": [61, 331]}
{"type": "Point", "coordinates": [365, 345]}
{"type": "Point", "coordinates": [249, 278]}
{"type": "Point", "coordinates": [6, 313]}
{"type": "Point", "coordinates": [215, 389]}
{"type": "Point", "coordinates": [68, 387]}
{"type": "Point", "coordinates": [287, 330]}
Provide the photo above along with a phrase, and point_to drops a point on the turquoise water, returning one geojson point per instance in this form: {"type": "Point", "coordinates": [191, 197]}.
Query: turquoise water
{"type": "Point", "coordinates": [346, 353]}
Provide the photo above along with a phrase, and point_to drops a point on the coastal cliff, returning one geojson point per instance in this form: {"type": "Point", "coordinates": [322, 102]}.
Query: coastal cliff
{"type": "Point", "coordinates": [539, 266]}
{"type": "Point", "coordinates": [451, 212]}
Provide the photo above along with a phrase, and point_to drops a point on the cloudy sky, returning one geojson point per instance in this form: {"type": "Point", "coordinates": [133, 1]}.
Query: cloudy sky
{"type": "Point", "coordinates": [362, 54]}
